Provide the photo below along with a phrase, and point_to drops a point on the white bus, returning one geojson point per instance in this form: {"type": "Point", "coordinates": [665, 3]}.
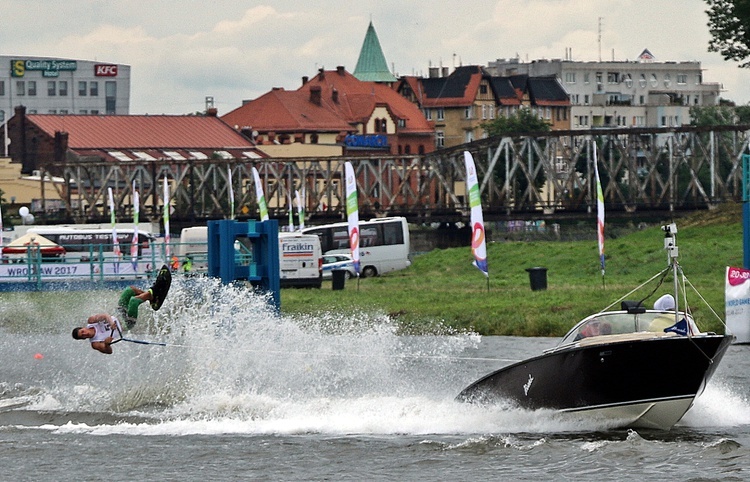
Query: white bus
{"type": "Point", "coordinates": [383, 243]}
{"type": "Point", "coordinates": [87, 244]}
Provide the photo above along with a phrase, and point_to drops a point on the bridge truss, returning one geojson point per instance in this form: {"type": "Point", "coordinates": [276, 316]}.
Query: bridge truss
{"type": "Point", "coordinates": [528, 176]}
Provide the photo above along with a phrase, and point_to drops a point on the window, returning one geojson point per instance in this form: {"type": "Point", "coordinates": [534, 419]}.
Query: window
{"type": "Point", "coordinates": [110, 101]}
{"type": "Point", "coordinates": [468, 136]}
{"type": "Point", "coordinates": [52, 111]}
{"type": "Point", "coordinates": [2, 88]}
{"type": "Point", "coordinates": [469, 112]}
{"type": "Point", "coordinates": [82, 88]}
{"type": "Point", "coordinates": [492, 111]}
{"type": "Point", "coordinates": [484, 111]}
{"type": "Point", "coordinates": [586, 77]}
{"type": "Point", "coordinates": [20, 87]}
{"type": "Point", "coordinates": [439, 139]}
{"type": "Point", "coordinates": [93, 88]}
{"type": "Point", "coordinates": [51, 88]}
{"type": "Point", "coordinates": [599, 78]}
{"type": "Point", "coordinates": [94, 111]}
{"type": "Point", "coordinates": [654, 80]}
{"type": "Point", "coordinates": [570, 77]}
{"type": "Point", "coordinates": [31, 87]}
{"type": "Point", "coordinates": [313, 138]}
{"type": "Point", "coordinates": [83, 111]}
{"type": "Point", "coordinates": [642, 81]}
{"type": "Point", "coordinates": [440, 114]}
{"type": "Point", "coordinates": [681, 79]}
{"type": "Point", "coordinates": [428, 114]}
{"type": "Point", "coordinates": [698, 78]}
{"type": "Point", "coordinates": [402, 123]}
{"type": "Point", "coordinates": [628, 81]}
{"type": "Point", "coordinates": [63, 111]}
{"type": "Point", "coordinates": [613, 78]}
{"type": "Point", "coordinates": [667, 80]}
{"type": "Point", "coordinates": [585, 99]}
{"type": "Point", "coordinates": [482, 89]}
{"type": "Point", "coordinates": [63, 88]}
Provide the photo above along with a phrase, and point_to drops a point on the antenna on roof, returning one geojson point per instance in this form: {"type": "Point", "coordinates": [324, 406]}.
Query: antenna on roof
{"type": "Point", "coordinates": [600, 38]}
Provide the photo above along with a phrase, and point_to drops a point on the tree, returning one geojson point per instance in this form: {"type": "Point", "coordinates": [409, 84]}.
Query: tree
{"type": "Point", "coordinates": [729, 26]}
{"type": "Point", "coordinates": [520, 122]}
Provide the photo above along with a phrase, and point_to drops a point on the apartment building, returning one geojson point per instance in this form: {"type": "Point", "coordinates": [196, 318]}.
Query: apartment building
{"type": "Point", "coordinates": [631, 93]}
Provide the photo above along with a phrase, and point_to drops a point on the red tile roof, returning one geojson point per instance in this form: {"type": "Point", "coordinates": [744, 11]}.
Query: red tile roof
{"type": "Point", "coordinates": [286, 111]}
{"type": "Point", "coordinates": [357, 100]}
{"type": "Point", "coordinates": [344, 102]}
{"type": "Point", "coordinates": [142, 132]}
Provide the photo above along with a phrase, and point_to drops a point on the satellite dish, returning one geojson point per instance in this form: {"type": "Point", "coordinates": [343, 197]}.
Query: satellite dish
{"type": "Point", "coordinates": [29, 218]}
{"type": "Point", "coordinates": [24, 211]}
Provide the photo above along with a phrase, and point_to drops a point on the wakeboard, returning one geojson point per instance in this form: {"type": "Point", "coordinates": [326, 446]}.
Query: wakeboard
{"type": "Point", "coordinates": [160, 288]}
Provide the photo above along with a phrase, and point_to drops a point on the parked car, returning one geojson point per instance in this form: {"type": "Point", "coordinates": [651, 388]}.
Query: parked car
{"type": "Point", "coordinates": [338, 261]}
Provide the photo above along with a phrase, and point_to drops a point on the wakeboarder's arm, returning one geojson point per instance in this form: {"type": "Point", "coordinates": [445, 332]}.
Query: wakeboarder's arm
{"type": "Point", "coordinates": [102, 317]}
{"type": "Point", "coordinates": [103, 346]}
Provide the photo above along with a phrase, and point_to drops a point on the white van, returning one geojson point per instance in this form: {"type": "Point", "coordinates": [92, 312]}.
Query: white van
{"type": "Point", "coordinates": [194, 243]}
{"type": "Point", "coordinates": [300, 256]}
{"type": "Point", "coordinates": [300, 260]}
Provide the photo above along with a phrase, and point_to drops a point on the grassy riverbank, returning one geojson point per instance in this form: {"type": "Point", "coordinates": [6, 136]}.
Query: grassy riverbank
{"type": "Point", "coordinates": [442, 286]}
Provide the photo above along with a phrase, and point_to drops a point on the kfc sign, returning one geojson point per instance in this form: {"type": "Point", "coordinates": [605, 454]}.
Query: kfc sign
{"type": "Point", "coordinates": [105, 70]}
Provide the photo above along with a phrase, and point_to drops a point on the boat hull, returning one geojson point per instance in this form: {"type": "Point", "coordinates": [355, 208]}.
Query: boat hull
{"type": "Point", "coordinates": [643, 383]}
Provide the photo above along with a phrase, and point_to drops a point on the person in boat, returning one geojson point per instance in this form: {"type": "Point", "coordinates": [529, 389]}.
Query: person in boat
{"type": "Point", "coordinates": [101, 327]}
{"type": "Point", "coordinates": [594, 328]}
{"type": "Point", "coordinates": [665, 320]}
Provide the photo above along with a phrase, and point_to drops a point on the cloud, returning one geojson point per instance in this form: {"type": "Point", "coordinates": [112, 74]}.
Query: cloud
{"type": "Point", "coordinates": [182, 51]}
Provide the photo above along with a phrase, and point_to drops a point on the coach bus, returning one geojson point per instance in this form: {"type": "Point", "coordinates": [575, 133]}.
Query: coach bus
{"type": "Point", "coordinates": [87, 244]}
{"type": "Point", "coordinates": [383, 243]}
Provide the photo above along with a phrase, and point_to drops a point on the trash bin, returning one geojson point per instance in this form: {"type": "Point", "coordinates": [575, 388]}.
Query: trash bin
{"type": "Point", "coordinates": [338, 279]}
{"type": "Point", "coordinates": [537, 278]}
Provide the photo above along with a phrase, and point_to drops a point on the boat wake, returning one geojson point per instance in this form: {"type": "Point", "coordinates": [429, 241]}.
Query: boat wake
{"type": "Point", "coordinates": [233, 366]}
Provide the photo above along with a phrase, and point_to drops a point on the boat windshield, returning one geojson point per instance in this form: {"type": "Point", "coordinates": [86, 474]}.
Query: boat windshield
{"type": "Point", "coordinates": [619, 322]}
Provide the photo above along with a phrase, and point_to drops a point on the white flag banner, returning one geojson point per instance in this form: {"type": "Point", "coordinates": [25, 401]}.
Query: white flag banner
{"type": "Point", "coordinates": [737, 301]}
{"type": "Point", "coordinates": [165, 217]}
{"type": "Point", "coordinates": [478, 240]}
{"type": "Point", "coordinates": [352, 213]}
{"type": "Point", "coordinates": [260, 196]}
{"type": "Point", "coordinates": [134, 244]}
{"type": "Point", "coordinates": [230, 188]}
{"type": "Point", "coordinates": [113, 222]}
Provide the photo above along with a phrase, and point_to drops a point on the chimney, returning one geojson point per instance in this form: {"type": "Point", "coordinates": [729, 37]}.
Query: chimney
{"type": "Point", "coordinates": [434, 72]}
{"type": "Point", "coordinates": [212, 112]}
{"type": "Point", "coordinates": [321, 73]}
{"type": "Point", "coordinates": [315, 94]}
{"type": "Point", "coordinates": [304, 79]}
{"type": "Point", "coordinates": [445, 71]}
{"type": "Point", "coordinates": [335, 96]}
{"type": "Point", "coordinates": [61, 147]}
{"type": "Point", "coordinates": [340, 70]}
{"type": "Point", "coordinates": [22, 152]}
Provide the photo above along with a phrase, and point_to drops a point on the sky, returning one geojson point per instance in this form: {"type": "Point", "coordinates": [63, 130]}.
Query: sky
{"type": "Point", "coordinates": [182, 51]}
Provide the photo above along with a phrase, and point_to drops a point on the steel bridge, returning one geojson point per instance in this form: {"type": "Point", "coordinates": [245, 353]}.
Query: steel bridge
{"type": "Point", "coordinates": [530, 176]}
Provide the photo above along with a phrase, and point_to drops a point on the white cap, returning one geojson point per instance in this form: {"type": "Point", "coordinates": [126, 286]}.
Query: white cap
{"type": "Point", "coordinates": [664, 303]}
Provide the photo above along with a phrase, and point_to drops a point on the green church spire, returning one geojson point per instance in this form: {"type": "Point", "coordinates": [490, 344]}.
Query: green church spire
{"type": "Point", "coordinates": [371, 65]}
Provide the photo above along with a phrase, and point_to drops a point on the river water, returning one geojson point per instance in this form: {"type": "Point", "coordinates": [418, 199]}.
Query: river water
{"type": "Point", "coordinates": [240, 394]}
